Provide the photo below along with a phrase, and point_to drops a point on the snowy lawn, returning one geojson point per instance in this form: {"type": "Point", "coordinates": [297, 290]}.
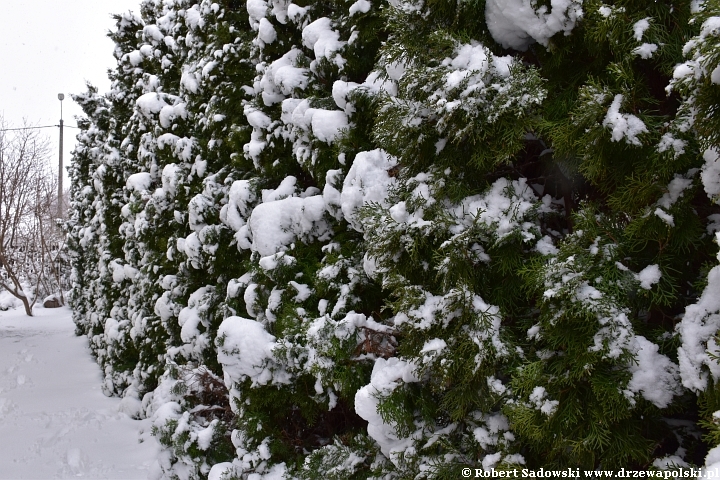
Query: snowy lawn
{"type": "Point", "coordinates": [54, 420]}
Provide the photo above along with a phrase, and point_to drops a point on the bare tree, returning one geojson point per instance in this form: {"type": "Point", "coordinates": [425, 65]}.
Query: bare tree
{"type": "Point", "coordinates": [31, 240]}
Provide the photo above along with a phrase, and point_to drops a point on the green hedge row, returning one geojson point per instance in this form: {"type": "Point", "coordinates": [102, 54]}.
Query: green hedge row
{"type": "Point", "coordinates": [398, 238]}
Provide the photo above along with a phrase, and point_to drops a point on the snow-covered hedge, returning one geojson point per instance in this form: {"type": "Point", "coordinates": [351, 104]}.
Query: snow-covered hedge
{"type": "Point", "coordinates": [394, 239]}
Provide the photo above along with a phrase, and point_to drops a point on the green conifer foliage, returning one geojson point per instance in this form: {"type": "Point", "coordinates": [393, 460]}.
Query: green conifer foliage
{"type": "Point", "coordinates": [398, 238]}
{"type": "Point", "coordinates": [104, 319]}
{"type": "Point", "coordinates": [303, 284]}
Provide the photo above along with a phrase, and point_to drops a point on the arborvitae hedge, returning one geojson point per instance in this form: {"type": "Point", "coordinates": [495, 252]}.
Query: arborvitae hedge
{"type": "Point", "coordinates": [395, 239]}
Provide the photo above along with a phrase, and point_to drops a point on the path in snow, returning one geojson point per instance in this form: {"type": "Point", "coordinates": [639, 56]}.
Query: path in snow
{"type": "Point", "coordinates": [55, 421]}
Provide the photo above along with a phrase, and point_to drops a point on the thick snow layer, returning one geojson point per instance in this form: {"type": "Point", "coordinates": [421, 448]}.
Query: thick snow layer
{"type": "Point", "coordinates": [697, 330]}
{"type": "Point", "coordinates": [645, 50]}
{"type": "Point", "coordinates": [54, 420]}
{"type": "Point", "coordinates": [385, 377]}
{"type": "Point", "coordinates": [675, 190]}
{"type": "Point", "coordinates": [545, 246]}
{"type": "Point", "coordinates": [282, 75]}
{"type": "Point", "coordinates": [649, 276]}
{"type": "Point", "coordinates": [367, 181]}
{"type": "Point", "coordinates": [712, 464]}
{"type": "Point", "coordinates": [153, 103]}
{"type": "Point", "coordinates": [257, 9]}
{"type": "Point", "coordinates": [220, 470]}
{"type": "Point", "coordinates": [654, 375]}
{"type": "Point", "coordinates": [139, 181]}
{"type": "Point", "coordinates": [192, 316]}
{"type": "Point", "coordinates": [474, 61]}
{"type": "Point", "coordinates": [361, 6]}
{"type": "Point", "coordinates": [324, 41]}
{"type": "Point", "coordinates": [275, 225]}
{"type": "Point", "coordinates": [198, 207]}
{"type": "Point", "coordinates": [327, 125]}
{"type": "Point", "coordinates": [639, 28]}
{"type": "Point", "coordinates": [266, 32]}
{"type": "Point", "coordinates": [256, 118]}
{"type": "Point", "coordinates": [169, 179]}
{"type": "Point", "coordinates": [235, 213]}
{"type": "Point", "coordinates": [190, 81]}
{"type": "Point", "coordinates": [8, 301]}
{"type": "Point", "coordinates": [341, 89]}
{"type": "Point", "coordinates": [517, 23]}
{"type": "Point", "coordinates": [245, 350]}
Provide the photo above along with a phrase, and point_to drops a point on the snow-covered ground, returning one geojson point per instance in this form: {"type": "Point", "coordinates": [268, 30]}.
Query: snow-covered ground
{"type": "Point", "coordinates": [54, 420]}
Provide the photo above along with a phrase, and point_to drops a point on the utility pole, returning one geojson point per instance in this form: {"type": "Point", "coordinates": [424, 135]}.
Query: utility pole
{"type": "Point", "coordinates": [61, 97]}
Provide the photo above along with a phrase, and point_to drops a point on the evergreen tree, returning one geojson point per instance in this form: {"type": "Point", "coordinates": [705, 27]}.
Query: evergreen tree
{"type": "Point", "coordinates": [395, 239]}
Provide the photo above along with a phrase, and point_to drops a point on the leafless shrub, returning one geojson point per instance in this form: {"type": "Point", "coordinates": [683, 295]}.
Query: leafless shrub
{"type": "Point", "coordinates": [31, 236]}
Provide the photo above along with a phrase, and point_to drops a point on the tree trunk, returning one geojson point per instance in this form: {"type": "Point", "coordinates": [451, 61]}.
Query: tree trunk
{"type": "Point", "coordinates": [26, 304]}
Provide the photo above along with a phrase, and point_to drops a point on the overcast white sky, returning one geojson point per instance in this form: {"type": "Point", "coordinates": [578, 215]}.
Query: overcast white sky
{"type": "Point", "coordinates": [48, 47]}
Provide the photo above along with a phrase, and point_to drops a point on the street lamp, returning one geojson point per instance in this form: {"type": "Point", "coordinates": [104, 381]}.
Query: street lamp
{"type": "Point", "coordinates": [61, 97]}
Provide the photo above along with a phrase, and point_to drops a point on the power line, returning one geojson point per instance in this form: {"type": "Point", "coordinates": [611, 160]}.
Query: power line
{"type": "Point", "coordinates": [27, 128]}
{"type": "Point", "coordinates": [30, 128]}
